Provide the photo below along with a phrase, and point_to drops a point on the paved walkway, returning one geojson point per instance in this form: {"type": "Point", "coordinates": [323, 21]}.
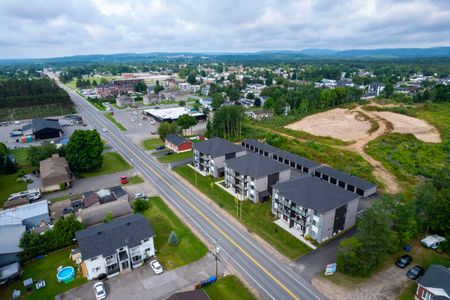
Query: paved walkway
{"type": "Point", "coordinates": [143, 284]}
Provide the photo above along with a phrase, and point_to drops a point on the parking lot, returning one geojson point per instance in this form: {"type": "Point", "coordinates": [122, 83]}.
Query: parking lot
{"type": "Point", "coordinates": [12, 142]}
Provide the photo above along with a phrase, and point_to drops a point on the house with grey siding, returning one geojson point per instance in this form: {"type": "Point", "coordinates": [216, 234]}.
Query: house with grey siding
{"type": "Point", "coordinates": [294, 161]}
{"type": "Point", "coordinates": [346, 181]}
{"type": "Point", "coordinates": [209, 156]}
{"type": "Point", "coordinates": [252, 176]}
{"type": "Point", "coordinates": [309, 206]}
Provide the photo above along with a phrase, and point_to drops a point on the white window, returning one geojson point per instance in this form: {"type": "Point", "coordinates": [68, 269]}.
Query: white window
{"type": "Point", "coordinates": [145, 241]}
{"type": "Point", "coordinates": [94, 258]}
{"type": "Point", "coordinates": [426, 295]}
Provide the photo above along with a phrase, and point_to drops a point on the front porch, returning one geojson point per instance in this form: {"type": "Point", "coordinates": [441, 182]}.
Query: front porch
{"type": "Point", "coordinates": [295, 232]}
{"type": "Point", "coordinates": [230, 190]}
{"type": "Point", "coordinates": [201, 172]}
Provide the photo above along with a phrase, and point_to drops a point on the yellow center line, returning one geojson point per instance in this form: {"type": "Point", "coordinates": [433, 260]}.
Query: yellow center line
{"type": "Point", "coordinates": [208, 220]}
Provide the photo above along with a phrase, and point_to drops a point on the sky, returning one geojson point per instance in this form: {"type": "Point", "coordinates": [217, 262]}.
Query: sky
{"type": "Point", "coordinates": [53, 28]}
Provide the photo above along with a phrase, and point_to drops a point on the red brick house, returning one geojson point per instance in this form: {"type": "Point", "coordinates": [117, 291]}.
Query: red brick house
{"type": "Point", "coordinates": [178, 144]}
{"type": "Point", "coordinates": [434, 284]}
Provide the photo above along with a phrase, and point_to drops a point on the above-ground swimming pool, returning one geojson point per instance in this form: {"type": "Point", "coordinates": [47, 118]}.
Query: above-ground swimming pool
{"type": "Point", "coordinates": [66, 274]}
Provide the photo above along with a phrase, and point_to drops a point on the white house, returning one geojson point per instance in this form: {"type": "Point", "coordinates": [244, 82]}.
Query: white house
{"type": "Point", "coordinates": [118, 246]}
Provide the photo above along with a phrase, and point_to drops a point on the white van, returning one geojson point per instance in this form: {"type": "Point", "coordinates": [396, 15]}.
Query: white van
{"type": "Point", "coordinates": [31, 195]}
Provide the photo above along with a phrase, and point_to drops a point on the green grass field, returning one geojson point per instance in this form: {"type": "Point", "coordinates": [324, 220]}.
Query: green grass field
{"type": "Point", "coordinates": [21, 156]}
{"type": "Point", "coordinates": [114, 121]}
{"type": "Point", "coordinates": [257, 218]}
{"type": "Point", "coordinates": [9, 185]}
{"type": "Point", "coordinates": [163, 221]}
{"type": "Point", "coordinates": [175, 157]}
{"type": "Point", "coordinates": [45, 269]}
{"type": "Point", "coordinates": [135, 179]}
{"type": "Point", "coordinates": [151, 144]}
{"type": "Point", "coordinates": [113, 162]}
{"type": "Point", "coordinates": [73, 82]}
{"type": "Point", "coordinates": [229, 288]}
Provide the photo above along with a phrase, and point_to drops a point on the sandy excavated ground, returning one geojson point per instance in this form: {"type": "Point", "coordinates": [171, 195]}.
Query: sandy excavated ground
{"type": "Point", "coordinates": [337, 123]}
{"type": "Point", "coordinates": [405, 124]}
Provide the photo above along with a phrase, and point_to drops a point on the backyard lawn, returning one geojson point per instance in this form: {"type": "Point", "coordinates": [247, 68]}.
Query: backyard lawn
{"type": "Point", "coordinates": [21, 156]}
{"type": "Point", "coordinates": [44, 269]}
{"type": "Point", "coordinates": [257, 218]}
{"type": "Point", "coordinates": [9, 185]}
{"type": "Point", "coordinates": [114, 121]}
{"type": "Point", "coordinates": [228, 288]}
{"type": "Point", "coordinates": [175, 157]}
{"type": "Point", "coordinates": [163, 221]}
{"type": "Point", "coordinates": [151, 144]}
{"type": "Point", "coordinates": [112, 162]}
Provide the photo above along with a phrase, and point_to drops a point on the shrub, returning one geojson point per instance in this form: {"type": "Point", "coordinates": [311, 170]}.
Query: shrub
{"type": "Point", "coordinates": [173, 239]}
{"type": "Point", "coordinates": [141, 205]}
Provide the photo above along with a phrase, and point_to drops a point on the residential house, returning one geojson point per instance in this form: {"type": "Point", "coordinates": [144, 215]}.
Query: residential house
{"type": "Point", "coordinates": [97, 214]}
{"type": "Point", "coordinates": [177, 143]}
{"type": "Point", "coordinates": [252, 176]}
{"type": "Point", "coordinates": [105, 196]}
{"type": "Point", "coordinates": [43, 129]}
{"type": "Point", "coordinates": [124, 100]}
{"type": "Point", "coordinates": [210, 155]}
{"type": "Point", "coordinates": [346, 181]}
{"type": "Point", "coordinates": [309, 206]}
{"type": "Point", "coordinates": [90, 198]}
{"type": "Point", "coordinates": [119, 193]}
{"type": "Point", "coordinates": [205, 90]}
{"type": "Point", "coordinates": [118, 246]}
{"type": "Point", "coordinates": [55, 173]}
{"type": "Point", "coordinates": [434, 284]}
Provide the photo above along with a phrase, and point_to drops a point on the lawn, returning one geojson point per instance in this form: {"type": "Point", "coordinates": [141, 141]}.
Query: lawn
{"type": "Point", "coordinates": [135, 179]}
{"type": "Point", "coordinates": [175, 157]}
{"type": "Point", "coordinates": [113, 162]}
{"type": "Point", "coordinates": [9, 185]}
{"type": "Point", "coordinates": [151, 144]}
{"type": "Point", "coordinates": [45, 269]}
{"type": "Point", "coordinates": [228, 288]}
{"type": "Point", "coordinates": [114, 121]}
{"type": "Point", "coordinates": [21, 156]}
{"type": "Point", "coordinates": [257, 218]}
{"type": "Point", "coordinates": [163, 221]}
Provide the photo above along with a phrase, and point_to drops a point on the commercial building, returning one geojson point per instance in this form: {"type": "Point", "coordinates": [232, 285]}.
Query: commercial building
{"type": "Point", "coordinates": [43, 129]}
{"type": "Point", "coordinates": [172, 114]}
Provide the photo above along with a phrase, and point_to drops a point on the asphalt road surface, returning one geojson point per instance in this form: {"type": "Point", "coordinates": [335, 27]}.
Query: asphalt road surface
{"type": "Point", "coordinates": [271, 277]}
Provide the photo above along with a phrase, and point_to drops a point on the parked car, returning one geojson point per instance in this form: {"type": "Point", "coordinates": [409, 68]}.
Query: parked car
{"type": "Point", "coordinates": [160, 148]}
{"type": "Point", "coordinates": [168, 153]}
{"type": "Point", "coordinates": [432, 241]}
{"type": "Point", "coordinates": [124, 179]}
{"type": "Point", "coordinates": [403, 261]}
{"type": "Point", "coordinates": [139, 196]}
{"type": "Point", "coordinates": [16, 132]}
{"type": "Point", "coordinates": [415, 272]}
{"type": "Point", "coordinates": [100, 292]}
{"type": "Point", "coordinates": [10, 273]}
{"type": "Point", "coordinates": [156, 267]}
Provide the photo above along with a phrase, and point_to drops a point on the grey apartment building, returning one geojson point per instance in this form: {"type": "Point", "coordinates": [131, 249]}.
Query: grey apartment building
{"type": "Point", "coordinates": [209, 156]}
{"type": "Point", "coordinates": [309, 206]}
{"type": "Point", "coordinates": [252, 176]}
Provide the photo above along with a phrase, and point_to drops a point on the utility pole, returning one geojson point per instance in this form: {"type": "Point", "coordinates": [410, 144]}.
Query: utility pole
{"type": "Point", "coordinates": [216, 257]}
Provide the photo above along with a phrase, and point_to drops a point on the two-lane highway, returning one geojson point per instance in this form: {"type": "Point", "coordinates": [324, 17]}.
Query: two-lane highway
{"type": "Point", "coordinates": [271, 277]}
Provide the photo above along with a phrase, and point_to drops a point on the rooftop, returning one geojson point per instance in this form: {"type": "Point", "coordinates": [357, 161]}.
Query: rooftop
{"type": "Point", "coordinates": [26, 211]}
{"type": "Point", "coordinates": [255, 165]}
{"type": "Point", "coordinates": [437, 276]}
{"type": "Point", "coordinates": [217, 147]}
{"type": "Point", "coordinates": [350, 179]}
{"type": "Point", "coordinates": [172, 113]}
{"type": "Point", "coordinates": [40, 123]}
{"type": "Point", "coordinates": [176, 139]}
{"type": "Point", "coordinates": [311, 192]}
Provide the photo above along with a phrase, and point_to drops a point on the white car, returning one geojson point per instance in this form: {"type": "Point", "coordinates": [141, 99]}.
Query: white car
{"type": "Point", "coordinates": [139, 196]}
{"type": "Point", "coordinates": [156, 267]}
{"type": "Point", "coordinates": [100, 292]}
{"type": "Point", "coordinates": [105, 130]}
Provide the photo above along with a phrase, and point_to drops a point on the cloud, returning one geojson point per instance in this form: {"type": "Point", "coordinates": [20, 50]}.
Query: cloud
{"type": "Point", "coordinates": [60, 28]}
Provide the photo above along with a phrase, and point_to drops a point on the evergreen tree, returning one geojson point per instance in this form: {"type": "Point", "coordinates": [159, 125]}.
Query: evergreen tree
{"type": "Point", "coordinates": [173, 239]}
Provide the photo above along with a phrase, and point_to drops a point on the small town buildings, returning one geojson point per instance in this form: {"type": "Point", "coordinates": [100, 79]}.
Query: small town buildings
{"type": "Point", "coordinates": [43, 129]}
{"type": "Point", "coordinates": [55, 173]}
{"type": "Point", "coordinates": [31, 215]}
{"type": "Point", "coordinates": [117, 246]}
{"type": "Point", "coordinates": [177, 143]}
{"type": "Point", "coordinates": [124, 100]}
{"type": "Point", "coordinates": [172, 114]}
{"type": "Point", "coordinates": [210, 155]}
{"type": "Point", "coordinates": [308, 206]}
{"type": "Point", "coordinates": [97, 214]}
{"type": "Point", "coordinates": [90, 198]}
{"type": "Point", "coordinates": [259, 114]}
{"type": "Point", "coordinates": [434, 284]}
{"type": "Point", "coordinates": [346, 181]}
{"type": "Point", "coordinates": [252, 176]}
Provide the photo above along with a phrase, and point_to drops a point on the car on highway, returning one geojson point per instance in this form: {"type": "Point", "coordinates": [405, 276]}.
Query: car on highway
{"type": "Point", "coordinates": [105, 130]}
{"type": "Point", "coordinates": [16, 132]}
{"type": "Point", "coordinates": [415, 272]}
{"type": "Point", "coordinates": [160, 148]}
{"type": "Point", "coordinates": [156, 267]}
{"type": "Point", "coordinates": [403, 261]}
{"type": "Point", "coordinates": [100, 291]}
{"type": "Point", "coordinates": [123, 179]}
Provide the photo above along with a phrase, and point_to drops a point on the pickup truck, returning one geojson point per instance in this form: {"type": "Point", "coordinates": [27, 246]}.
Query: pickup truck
{"type": "Point", "coordinates": [432, 241]}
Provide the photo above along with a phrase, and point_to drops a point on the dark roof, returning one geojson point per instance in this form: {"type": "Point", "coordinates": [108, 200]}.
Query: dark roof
{"type": "Point", "coordinates": [217, 147]}
{"type": "Point", "coordinates": [255, 165]}
{"type": "Point", "coordinates": [118, 191]}
{"type": "Point", "coordinates": [190, 295]}
{"type": "Point", "coordinates": [40, 124]}
{"type": "Point", "coordinates": [175, 139]}
{"type": "Point", "coordinates": [350, 179]}
{"type": "Point", "coordinates": [437, 276]}
{"type": "Point", "coordinates": [312, 192]}
{"type": "Point", "coordinates": [105, 238]}
{"type": "Point", "coordinates": [281, 153]}
{"type": "Point", "coordinates": [90, 198]}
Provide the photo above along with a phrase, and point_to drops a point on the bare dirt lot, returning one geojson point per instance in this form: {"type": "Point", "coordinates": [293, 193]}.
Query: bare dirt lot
{"type": "Point", "coordinates": [337, 123]}
{"type": "Point", "coordinates": [405, 124]}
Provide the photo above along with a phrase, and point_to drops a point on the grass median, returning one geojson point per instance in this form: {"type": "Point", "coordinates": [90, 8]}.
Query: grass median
{"type": "Point", "coordinates": [163, 221]}
{"type": "Point", "coordinates": [257, 218]}
{"type": "Point", "coordinates": [114, 121]}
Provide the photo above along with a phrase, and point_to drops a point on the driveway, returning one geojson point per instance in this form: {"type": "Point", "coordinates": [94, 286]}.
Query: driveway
{"type": "Point", "coordinates": [143, 284]}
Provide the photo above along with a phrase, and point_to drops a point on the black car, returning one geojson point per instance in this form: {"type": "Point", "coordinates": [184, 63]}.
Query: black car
{"type": "Point", "coordinates": [415, 272]}
{"type": "Point", "coordinates": [403, 261]}
{"type": "Point", "coordinates": [168, 153]}
{"type": "Point", "coordinates": [160, 147]}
